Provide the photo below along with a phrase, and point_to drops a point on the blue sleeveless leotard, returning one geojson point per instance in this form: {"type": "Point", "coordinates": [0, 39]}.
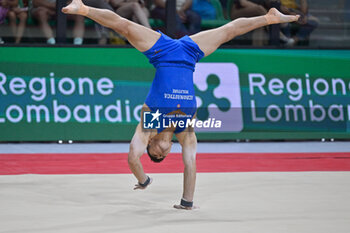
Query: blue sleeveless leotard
{"type": "Point", "coordinates": [172, 88]}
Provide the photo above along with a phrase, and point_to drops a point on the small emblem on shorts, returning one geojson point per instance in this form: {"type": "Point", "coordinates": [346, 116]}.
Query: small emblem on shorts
{"type": "Point", "coordinates": [157, 51]}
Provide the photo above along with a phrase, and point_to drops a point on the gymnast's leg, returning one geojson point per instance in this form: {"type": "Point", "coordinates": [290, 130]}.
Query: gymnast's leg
{"type": "Point", "coordinates": [140, 37]}
{"type": "Point", "coordinates": [208, 41]}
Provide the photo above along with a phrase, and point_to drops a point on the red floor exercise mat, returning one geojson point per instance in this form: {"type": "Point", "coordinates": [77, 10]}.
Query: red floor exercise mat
{"type": "Point", "coordinates": [116, 163]}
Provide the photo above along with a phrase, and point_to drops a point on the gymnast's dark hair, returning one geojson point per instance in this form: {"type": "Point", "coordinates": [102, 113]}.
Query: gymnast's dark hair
{"type": "Point", "coordinates": [153, 158]}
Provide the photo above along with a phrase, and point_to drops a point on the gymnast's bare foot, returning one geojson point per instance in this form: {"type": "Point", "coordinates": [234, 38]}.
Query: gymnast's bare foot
{"type": "Point", "coordinates": [274, 16]}
{"type": "Point", "coordinates": [76, 7]}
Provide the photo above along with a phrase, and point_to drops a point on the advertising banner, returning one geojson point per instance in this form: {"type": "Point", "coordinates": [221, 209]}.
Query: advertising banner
{"type": "Point", "coordinates": [96, 94]}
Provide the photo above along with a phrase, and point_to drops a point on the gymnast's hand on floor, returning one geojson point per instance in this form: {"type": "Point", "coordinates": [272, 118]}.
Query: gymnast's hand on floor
{"type": "Point", "coordinates": [181, 207]}
{"type": "Point", "coordinates": [144, 185]}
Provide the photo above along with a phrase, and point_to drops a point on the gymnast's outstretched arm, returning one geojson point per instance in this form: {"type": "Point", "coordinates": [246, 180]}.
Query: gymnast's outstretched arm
{"type": "Point", "coordinates": [188, 141]}
{"type": "Point", "coordinates": [140, 37]}
{"type": "Point", "coordinates": [208, 41]}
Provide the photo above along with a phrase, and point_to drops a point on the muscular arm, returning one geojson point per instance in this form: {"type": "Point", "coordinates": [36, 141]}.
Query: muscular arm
{"type": "Point", "coordinates": [189, 159]}
{"type": "Point", "coordinates": [188, 142]}
{"type": "Point", "coordinates": [137, 148]}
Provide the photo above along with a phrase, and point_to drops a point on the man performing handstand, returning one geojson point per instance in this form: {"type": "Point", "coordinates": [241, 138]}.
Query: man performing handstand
{"type": "Point", "coordinates": [174, 61]}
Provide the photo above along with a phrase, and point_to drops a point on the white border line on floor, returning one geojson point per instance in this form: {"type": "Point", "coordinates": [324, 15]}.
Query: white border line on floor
{"type": "Point", "coordinates": [221, 147]}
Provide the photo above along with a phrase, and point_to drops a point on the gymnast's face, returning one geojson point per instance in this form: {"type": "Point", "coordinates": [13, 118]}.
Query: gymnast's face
{"type": "Point", "coordinates": [158, 148]}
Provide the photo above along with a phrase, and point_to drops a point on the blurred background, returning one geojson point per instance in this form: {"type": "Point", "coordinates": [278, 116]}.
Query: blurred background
{"type": "Point", "coordinates": [67, 78]}
{"type": "Point", "coordinates": [324, 24]}
{"type": "Point", "coordinates": [67, 82]}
